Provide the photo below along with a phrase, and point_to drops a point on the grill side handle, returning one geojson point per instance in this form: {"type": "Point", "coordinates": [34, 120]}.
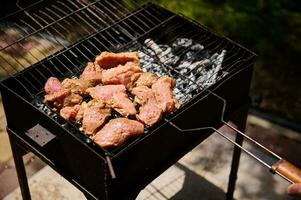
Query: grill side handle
{"type": "Point", "coordinates": [282, 167]}
{"type": "Point", "coordinates": [287, 170]}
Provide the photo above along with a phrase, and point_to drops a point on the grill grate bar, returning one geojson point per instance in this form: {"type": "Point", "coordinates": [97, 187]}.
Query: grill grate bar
{"type": "Point", "coordinates": [76, 22]}
{"type": "Point", "coordinates": [93, 14]}
{"type": "Point", "coordinates": [94, 38]}
{"type": "Point", "coordinates": [62, 35]}
{"type": "Point", "coordinates": [211, 47]}
{"type": "Point", "coordinates": [52, 30]}
{"type": "Point", "coordinates": [42, 36]}
{"type": "Point", "coordinates": [48, 25]}
{"type": "Point", "coordinates": [37, 16]}
{"type": "Point", "coordinates": [200, 84]}
{"type": "Point", "coordinates": [49, 20]}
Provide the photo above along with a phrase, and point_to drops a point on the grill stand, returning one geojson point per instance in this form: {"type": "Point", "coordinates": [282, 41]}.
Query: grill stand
{"type": "Point", "coordinates": [239, 119]}
{"type": "Point", "coordinates": [18, 153]}
{"type": "Point", "coordinates": [20, 147]}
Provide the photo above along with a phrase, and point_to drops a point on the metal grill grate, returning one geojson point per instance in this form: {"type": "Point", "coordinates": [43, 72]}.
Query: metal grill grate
{"type": "Point", "coordinates": [53, 27]}
{"type": "Point", "coordinates": [132, 33]}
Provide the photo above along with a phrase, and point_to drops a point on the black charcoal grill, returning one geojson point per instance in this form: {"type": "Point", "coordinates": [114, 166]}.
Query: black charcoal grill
{"type": "Point", "coordinates": [213, 77]}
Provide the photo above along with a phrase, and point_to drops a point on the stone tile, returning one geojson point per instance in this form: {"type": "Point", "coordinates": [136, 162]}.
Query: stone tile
{"type": "Point", "coordinates": [2, 118]}
{"type": "Point", "coordinates": [5, 150]}
{"type": "Point", "coordinates": [26, 159]}
{"type": "Point", "coordinates": [284, 142]}
{"type": "Point", "coordinates": [8, 181]}
{"type": "Point", "coordinates": [48, 185]}
{"type": "Point", "coordinates": [8, 176]}
{"type": "Point", "coordinates": [2, 167]}
{"type": "Point", "coordinates": [33, 166]}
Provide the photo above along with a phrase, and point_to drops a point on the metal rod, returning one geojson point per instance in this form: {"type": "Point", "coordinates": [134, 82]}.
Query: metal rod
{"type": "Point", "coordinates": [111, 169]}
{"type": "Point", "coordinates": [48, 25]}
{"type": "Point", "coordinates": [224, 136]}
{"type": "Point", "coordinates": [252, 140]}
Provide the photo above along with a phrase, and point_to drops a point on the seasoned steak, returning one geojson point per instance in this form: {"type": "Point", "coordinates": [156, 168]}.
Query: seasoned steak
{"type": "Point", "coordinates": [63, 94]}
{"type": "Point", "coordinates": [117, 131]}
{"type": "Point", "coordinates": [77, 86]}
{"type": "Point", "coordinates": [149, 111]}
{"type": "Point", "coordinates": [72, 112]}
{"type": "Point", "coordinates": [62, 98]}
{"type": "Point", "coordinates": [149, 114]}
{"type": "Point", "coordinates": [122, 74]}
{"type": "Point", "coordinates": [92, 73]}
{"type": "Point", "coordinates": [144, 79]}
{"type": "Point", "coordinates": [107, 60]}
{"type": "Point", "coordinates": [53, 85]}
{"type": "Point", "coordinates": [143, 94]}
{"type": "Point", "coordinates": [105, 92]}
{"type": "Point", "coordinates": [122, 104]}
{"type": "Point", "coordinates": [163, 90]}
{"type": "Point", "coordinates": [116, 97]}
{"type": "Point", "coordinates": [95, 115]}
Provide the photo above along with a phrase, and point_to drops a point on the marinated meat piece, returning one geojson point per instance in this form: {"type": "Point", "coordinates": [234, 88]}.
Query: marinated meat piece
{"type": "Point", "coordinates": [62, 98]}
{"type": "Point", "coordinates": [121, 74]}
{"type": "Point", "coordinates": [149, 114]}
{"type": "Point", "coordinates": [163, 90]}
{"type": "Point", "coordinates": [107, 60]}
{"type": "Point", "coordinates": [143, 94]}
{"type": "Point", "coordinates": [72, 113]}
{"type": "Point", "coordinates": [115, 96]}
{"type": "Point", "coordinates": [117, 131]}
{"type": "Point", "coordinates": [105, 92]}
{"type": "Point", "coordinates": [53, 85]}
{"type": "Point", "coordinates": [93, 73]}
{"type": "Point", "coordinates": [58, 96]}
{"type": "Point", "coordinates": [144, 79]}
{"type": "Point", "coordinates": [122, 104]}
{"type": "Point", "coordinates": [95, 115]}
{"type": "Point", "coordinates": [77, 86]}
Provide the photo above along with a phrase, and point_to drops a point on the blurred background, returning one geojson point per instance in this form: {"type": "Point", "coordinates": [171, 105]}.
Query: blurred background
{"type": "Point", "coordinates": [270, 28]}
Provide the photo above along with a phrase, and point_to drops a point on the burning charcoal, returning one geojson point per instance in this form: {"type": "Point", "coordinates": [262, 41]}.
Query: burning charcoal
{"type": "Point", "coordinates": [184, 65]}
{"type": "Point", "coordinates": [204, 63]}
{"type": "Point", "coordinates": [182, 42]}
{"type": "Point", "coordinates": [190, 56]}
{"type": "Point", "coordinates": [165, 56]}
{"type": "Point", "coordinates": [153, 46]}
{"type": "Point", "coordinates": [214, 56]}
{"type": "Point", "coordinates": [184, 71]}
{"type": "Point", "coordinates": [165, 48]}
{"type": "Point", "coordinates": [219, 61]}
{"type": "Point", "coordinates": [197, 47]}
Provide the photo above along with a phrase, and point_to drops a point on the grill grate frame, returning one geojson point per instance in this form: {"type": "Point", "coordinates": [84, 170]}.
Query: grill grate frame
{"type": "Point", "coordinates": [52, 22]}
{"type": "Point", "coordinates": [123, 36]}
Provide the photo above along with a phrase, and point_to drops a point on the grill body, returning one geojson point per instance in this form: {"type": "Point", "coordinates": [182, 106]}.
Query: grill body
{"type": "Point", "coordinates": [140, 161]}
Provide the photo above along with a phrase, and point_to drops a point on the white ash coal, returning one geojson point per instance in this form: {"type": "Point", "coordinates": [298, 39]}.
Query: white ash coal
{"type": "Point", "coordinates": [187, 61]}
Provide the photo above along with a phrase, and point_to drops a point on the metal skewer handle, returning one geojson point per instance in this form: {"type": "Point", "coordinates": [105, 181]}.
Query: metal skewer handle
{"type": "Point", "coordinates": [283, 168]}
{"type": "Point", "coordinates": [287, 170]}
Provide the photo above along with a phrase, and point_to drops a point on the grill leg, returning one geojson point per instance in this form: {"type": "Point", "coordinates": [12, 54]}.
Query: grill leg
{"type": "Point", "coordinates": [18, 153]}
{"type": "Point", "coordinates": [239, 120]}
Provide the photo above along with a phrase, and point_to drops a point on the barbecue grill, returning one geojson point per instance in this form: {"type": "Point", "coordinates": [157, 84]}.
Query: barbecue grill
{"type": "Point", "coordinates": [213, 77]}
